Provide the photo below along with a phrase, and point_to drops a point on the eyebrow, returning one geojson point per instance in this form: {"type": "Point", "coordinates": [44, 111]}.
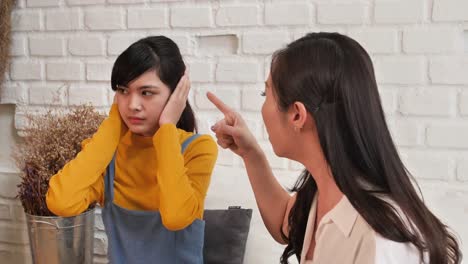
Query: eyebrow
{"type": "Point", "coordinates": [149, 86]}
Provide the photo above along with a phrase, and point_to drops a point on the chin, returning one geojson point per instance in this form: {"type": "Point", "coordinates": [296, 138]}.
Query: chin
{"type": "Point", "coordinates": [136, 130]}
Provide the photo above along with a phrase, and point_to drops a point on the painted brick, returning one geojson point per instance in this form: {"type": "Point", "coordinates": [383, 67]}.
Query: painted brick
{"type": "Point", "coordinates": [84, 2]}
{"type": "Point", "coordinates": [46, 46]}
{"type": "Point", "coordinates": [26, 70]}
{"type": "Point", "coordinates": [288, 14]}
{"type": "Point", "coordinates": [237, 15]}
{"type": "Point", "coordinates": [376, 40]}
{"type": "Point", "coordinates": [342, 13]}
{"type": "Point", "coordinates": [47, 94]}
{"type": "Point", "coordinates": [25, 20]}
{"type": "Point", "coordinates": [18, 46]}
{"type": "Point", "coordinates": [431, 166]}
{"type": "Point", "coordinates": [201, 71]}
{"type": "Point", "coordinates": [237, 71]}
{"type": "Point", "coordinates": [191, 17]}
{"type": "Point", "coordinates": [11, 93]}
{"type": "Point", "coordinates": [83, 94]}
{"type": "Point", "coordinates": [264, 42]}
{"type": "Point", "coordinates": [118, 43]}
{"type": "Point", "coordinates": [147, 18]}
{"type": "Point", "coordinates": [104, 19]}
{"type": "Point", "coordinates": [449, 70]}
{"type": "Point", "coordinates": [42, 3]}
{"type": "Point", "coordinates": [400, 70]}
{"type": "Point", "coordinates": [432, 40]}
{"type": "Point", "coordinates": [448, 136]}
{"type": "Point", "coordinates": [218, 44]}
{"type": "Point", "coordinates": [398, 11]}
{"type": "Point", "coordinates": [415, 102]}
{"type": "Point", "coordinates": [450, 10]}
{"type": "Point", "coordinates": [62, 20]}
{"type": "Point", "coordinates": [64, 71]}
{"type": "Point", "coordinates": [99, 71]}
{"type": "Point", "coordinates": [86, 46]}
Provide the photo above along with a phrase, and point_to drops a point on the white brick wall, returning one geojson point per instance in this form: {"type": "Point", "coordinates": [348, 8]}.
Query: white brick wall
{"type": "Point", "coordinates": [26, 20]}
{"type": "Point", "coordinates": [288, 14]}
{"type": "Point", "coordinates": [147, 18]}
{"type": "Point", "coordinates": [342, 13]}
{"type": "Point", "coordinates": [415, 102]}
{"type": "Point", "coordinates": [47, 94]}
{"type": "Point", "coordinates": [191, 17]}
{"type": "Point", "coordinates": [264, 42]}
{"type": "Point", "coordinates": [432, 40]}
{"type": "Point", "coordinates": [42, 3]}
{"type": "Point", "coordinates": [449, 70]}
{"type": "Point", "coordinates": [87, 46]}
{"type": "Point", "coordinates": [98, 71]}
{"type": "Point", "coordinates": [18, 46]}
{"type": "Point", "coordinates": [237, 71]}
{"type": "Point", "coordinates": [64, 71]}
{"type": "Point", "coordinates": [450, 10]}
{"type": "Point", "coordinates": [46, 46]}
{"type": "Point", "coordinates": [26, 70]}
{"type": "Point", "coordinates": [400, 69]}
{"type": "Point", "coordinates": [377, 40]}
{"type": "Point", "coordinates": [63, 51]}
{"type": "Point", "coordinates": [62, 20]}
{"type": "Point", "coordinates": [398, 11]}
{"type": "Point", "coordinates": [448, 135]}
{"type": "Point", "coordinates": [104, 19]}
{"type": "Point", "coordinates": [237, 15]}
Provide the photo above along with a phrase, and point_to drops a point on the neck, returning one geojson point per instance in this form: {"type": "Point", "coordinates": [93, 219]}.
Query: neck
{"type": "Point", "coordinates": [315, 162]}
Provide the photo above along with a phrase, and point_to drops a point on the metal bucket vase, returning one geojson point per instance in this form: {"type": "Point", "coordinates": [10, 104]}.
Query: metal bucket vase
{"type": "Point", "coordinates": [60, 240]}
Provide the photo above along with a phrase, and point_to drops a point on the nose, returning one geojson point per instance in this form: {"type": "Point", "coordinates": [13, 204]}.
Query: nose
{"type": "Point", "coordinates": [134, 103]}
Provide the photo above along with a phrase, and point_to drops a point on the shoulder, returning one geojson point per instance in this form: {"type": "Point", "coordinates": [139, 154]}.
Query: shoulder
{"type": "Point", "coordinates": [387, 251]}
{"type": "Point", "coordinates": [376, 249]}
{"type": "Point", "coordinates": [196, 143]}
{"type": "Point", "coordinates": [391, 252]}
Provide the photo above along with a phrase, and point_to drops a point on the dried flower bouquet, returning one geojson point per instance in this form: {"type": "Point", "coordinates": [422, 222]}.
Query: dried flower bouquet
{"type": "Point", "coordinates": [50, 141]}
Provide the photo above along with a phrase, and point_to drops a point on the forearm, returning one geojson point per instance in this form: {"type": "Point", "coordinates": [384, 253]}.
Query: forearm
{"type": "Point", "coordinates": [271, 197]}
{"type": "Point", "coordinates": [182, 183]}
{"type": "Point", "coordinates": [70, 191]}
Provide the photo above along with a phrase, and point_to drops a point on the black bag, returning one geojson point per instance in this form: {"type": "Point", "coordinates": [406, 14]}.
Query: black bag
{"type": "Point", "coordinates": [226, 234]}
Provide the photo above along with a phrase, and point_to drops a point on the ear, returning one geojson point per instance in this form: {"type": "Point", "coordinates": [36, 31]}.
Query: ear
{"type": "Point", "coordinates": [298, 115]}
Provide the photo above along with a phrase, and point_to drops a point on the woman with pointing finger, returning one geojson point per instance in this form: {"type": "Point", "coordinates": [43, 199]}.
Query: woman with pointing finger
{"type": "Point", "coordinates": [145, 165]}
{"type": "Point", "coordinates": [354, 202]}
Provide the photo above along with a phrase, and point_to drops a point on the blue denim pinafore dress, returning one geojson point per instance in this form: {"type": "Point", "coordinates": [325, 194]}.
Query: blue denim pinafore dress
{"type": "Point", "coordinates": [139, 237]}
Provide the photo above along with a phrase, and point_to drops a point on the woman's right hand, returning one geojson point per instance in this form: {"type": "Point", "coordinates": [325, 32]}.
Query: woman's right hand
{"type": "Point", "coordinates": [232, 131]}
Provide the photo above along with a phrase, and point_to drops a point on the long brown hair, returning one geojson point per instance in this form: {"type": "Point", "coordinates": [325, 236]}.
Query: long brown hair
{"type": "Point", "coordinates": [333, 76]}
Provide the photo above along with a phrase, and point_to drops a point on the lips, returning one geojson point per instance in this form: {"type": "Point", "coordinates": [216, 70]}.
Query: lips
{"type": "Point", "coordinates": [135, 120]}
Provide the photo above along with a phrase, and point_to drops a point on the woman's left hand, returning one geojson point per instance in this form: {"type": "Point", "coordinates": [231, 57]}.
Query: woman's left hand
{"type": "Point", "coordinates": [176, 103]}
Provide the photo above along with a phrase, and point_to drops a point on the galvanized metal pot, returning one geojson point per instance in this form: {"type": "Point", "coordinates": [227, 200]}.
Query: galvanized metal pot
{"type": "Point", "coordinates": [60, 240]}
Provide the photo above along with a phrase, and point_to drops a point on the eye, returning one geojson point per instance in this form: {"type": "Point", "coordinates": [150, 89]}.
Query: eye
{"type": "Point", "coordinates": [262, 93]}
{"type": "Point", "coordinates": [147, 93]}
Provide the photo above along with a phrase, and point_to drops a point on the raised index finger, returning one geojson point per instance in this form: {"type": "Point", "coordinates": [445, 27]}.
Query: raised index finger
{"type": "Point", "coordinates": [218, 103]}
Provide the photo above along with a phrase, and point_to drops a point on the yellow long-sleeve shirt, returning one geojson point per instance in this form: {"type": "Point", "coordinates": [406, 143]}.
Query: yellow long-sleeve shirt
{"type": "Point", "coordinates": [151, 173]}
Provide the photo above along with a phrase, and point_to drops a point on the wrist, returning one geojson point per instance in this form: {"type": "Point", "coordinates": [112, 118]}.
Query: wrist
{"type": "Point", "coordinates": [253, 154]}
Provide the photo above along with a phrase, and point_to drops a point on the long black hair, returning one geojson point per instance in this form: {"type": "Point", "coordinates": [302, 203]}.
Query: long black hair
{"type": "Point", "coordinates": [157, 53]}
{"type": "Point", "coordinates": [333, 76]}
